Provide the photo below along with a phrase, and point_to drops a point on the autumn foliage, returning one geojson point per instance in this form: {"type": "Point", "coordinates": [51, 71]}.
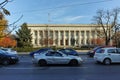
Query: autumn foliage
{"type": "Point", "coordinates": [98, 41]}
{"type": "Point", "coordinates": [7, 42]}
{"type": "Point", "coordinates": [3, 25]}
{"type": "Point", "coordinates": [48, 41]}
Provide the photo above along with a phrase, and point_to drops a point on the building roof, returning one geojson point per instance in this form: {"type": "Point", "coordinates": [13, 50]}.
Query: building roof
{"type": "Point", "coordinates": [60, 25]}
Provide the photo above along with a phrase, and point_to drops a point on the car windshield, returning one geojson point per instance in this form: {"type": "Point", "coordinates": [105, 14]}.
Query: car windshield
{"type": "Point", "coordinates": [67, 50]}
{"type": "Point", "coordinates": [5, 49]}
{"type": "Point", "coordinates": [3, 52]}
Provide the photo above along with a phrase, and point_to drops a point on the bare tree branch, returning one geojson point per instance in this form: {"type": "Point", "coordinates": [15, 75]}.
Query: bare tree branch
{"type": "Point", "coordinates": [13, 25]}
{"type": "Point", "coordinates": [108, 20]}
{"type": "Point", "coordinates": [2, 4]}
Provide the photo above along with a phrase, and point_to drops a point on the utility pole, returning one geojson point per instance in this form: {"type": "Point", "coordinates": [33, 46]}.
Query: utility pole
{"type": "Point", "coordinates": [48, 30]}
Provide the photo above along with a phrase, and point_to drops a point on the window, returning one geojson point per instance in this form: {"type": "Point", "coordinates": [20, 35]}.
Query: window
{"type": "Point", "coordinates": [118, 50]}
{"type": "Point", "coordinates": [61, 34]}
{"type": "Point", "coordinates": [82, 33]}
{"type": "Point", "coordinates": [111, 51]}
{"type": "Point", "coordinates": [87, 34]}
{"type": "Point", "coordinates": [77, 33]}
{"type": "Point", "coordinates": [35, 33]}
{"type": "Point", "coordinates": [53, 54]}
{"type": "Point", "coordinates": [100, 51]}
{"type": "Point", "coordinates": [93, 33]}
{"type": "Point", "coordinates": [36, 41]}
{"type": "Point", "coordinates": [56, 34]}
{"type": "Point", "coordinates": [50, 53]}
{"type": "Point", "coordinates": [41, 33]}
{"type": "Point", "coordinates": [58, 54]}
{"type": "Point", "coordinates": [51, 34]}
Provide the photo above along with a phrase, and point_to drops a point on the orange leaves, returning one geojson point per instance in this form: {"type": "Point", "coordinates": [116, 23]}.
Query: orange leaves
{"type": "Point", "coordinates": [3, 25]}
{"type": "Point", "coordinates": [98, 41]}
{"type": "Point", "coordinates": [7, 42]}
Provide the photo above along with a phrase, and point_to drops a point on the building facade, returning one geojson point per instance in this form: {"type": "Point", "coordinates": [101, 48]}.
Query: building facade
{"type": "Point", "coordinates": [60, 35]}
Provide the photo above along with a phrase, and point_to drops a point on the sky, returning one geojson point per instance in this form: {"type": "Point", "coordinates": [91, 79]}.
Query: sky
{"type": "Point", "coordinates": [57, 11]}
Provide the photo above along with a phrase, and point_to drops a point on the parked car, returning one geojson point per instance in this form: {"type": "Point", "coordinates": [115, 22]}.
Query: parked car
{"type": "Point", "coordinates": [107, 55]}
{"type": "Point", "coordinates": [39, 51]}
{"type": "Point", "coordinates": [69, 51]}
{"type": "Point", "coordinates": [56, 57]}
{"type": "Point", "coordinates": [91, 53]}
{"type": "Point", "coordinates": [9, 50]}
{"type": "Point", "coordinates": [7, 58]}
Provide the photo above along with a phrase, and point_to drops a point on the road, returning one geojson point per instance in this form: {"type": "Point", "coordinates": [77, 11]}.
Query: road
{"type": "Point", "coordinates": [89, 70]}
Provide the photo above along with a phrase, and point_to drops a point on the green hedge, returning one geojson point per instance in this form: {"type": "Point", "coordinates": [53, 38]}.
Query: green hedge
{"type": "Point", "coordinates": [27, 49]}
{"type": "Point", "coordinates": [30, 49]}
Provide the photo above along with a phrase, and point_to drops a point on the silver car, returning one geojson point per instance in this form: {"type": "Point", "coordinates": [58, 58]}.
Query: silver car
{"type": "Point", "coordinates": [9, 50]}
{"type": "Point", "coordinates": [108, 55]}
{"type": "Point", "coordinates": [56, 57]}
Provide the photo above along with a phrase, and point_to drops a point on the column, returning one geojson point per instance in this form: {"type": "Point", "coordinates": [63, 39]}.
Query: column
{"type": "Point", "coordinates": [58, 38]}
{"type": "Point", "coordinates": [79, 38]}
{"type": "Point", "coordinates": [54, 37]}
{"type": "Point", "coordinates": [38, 37]}
{"type": "Point", "coordinates": [33, 37]}
{"type": "Point", "coordinates": [95, 38]}
{"type": "Point", "coordinates": [85, 38]}
{"type": "Point", "coordinates": [48, 37]}
{"type": "Point", "coordinates": [43, 34]}
{"type": "Point", "coordinates": [63, 38]}
{"type": "Point", "coordinates": [75, 37]}
{"type": "Point", "coordinates": [69, 37]}
{"type": "Point", "coordinates": [89, 37]}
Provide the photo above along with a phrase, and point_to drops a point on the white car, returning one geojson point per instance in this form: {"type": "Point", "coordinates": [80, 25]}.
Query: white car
{"type": "Point", "coordinates": [56, 57]}
{"type": "Point", "coordinates": [107, 55]}
{"type": "Point", "coordinates": [9, 50]}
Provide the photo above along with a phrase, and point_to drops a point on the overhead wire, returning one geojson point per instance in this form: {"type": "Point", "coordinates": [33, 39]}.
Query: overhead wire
{"type": "Point", "coordinates": [63, 6]}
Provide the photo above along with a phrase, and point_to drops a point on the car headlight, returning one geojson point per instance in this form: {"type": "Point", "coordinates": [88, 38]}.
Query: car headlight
{"type": "Point", "coordinates": [13, 57]}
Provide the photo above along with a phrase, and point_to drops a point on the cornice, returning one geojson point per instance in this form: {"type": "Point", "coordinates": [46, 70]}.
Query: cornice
{"type": "Point", "coordinates": [60, 25]}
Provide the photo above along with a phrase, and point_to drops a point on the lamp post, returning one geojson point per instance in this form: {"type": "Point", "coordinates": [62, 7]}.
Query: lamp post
{"type": "Point", "coordinates": [48, 30]}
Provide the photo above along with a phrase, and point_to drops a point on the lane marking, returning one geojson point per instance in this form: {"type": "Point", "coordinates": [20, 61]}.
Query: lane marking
{"type": "Point", "coordinates": [43, 68]}
{"type": "Point", "coordinates": [22, 68]}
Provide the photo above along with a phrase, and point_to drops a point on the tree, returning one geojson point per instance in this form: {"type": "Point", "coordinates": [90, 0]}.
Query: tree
{"type": "Point", "coordinates": [24, 36]}
{"type": "Point", "coordinates": [7, 42]}
{"type": "Point", "coordinates": [116, 39]}
{"type": "Point", "coordinates": [5, 28]}
{"type": "Point", "coordinates": [48, 40]}
{"type": "Point", "coordinates": [107, 22]}
{"type": "Point", "coordinates": [98, 41]}
{"type": "Point", "coordinates": [3, 22]}
{"type": "Point", "coordinates": [2, 9]}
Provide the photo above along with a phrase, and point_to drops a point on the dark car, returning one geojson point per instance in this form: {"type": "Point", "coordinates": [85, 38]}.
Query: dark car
{"type": "Point", "coordinates": [7, 58]}
{"type": "Point", "coordinates": [69, 51]}
{"type": "Point", "coordinates": [39, 51]}
{"type": "Point", "coordinates": [92, 52]}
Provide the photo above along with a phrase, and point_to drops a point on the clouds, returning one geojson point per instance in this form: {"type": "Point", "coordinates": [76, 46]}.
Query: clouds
{"type": "Point", "coordinates": [65, 16]}
{"type": "Point", "coordinates": [70, 19]}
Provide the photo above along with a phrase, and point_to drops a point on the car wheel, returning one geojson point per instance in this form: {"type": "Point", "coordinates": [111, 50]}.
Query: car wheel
{"type": "Point", "coordinates": [5, 62]}
{"type": "Point", "coordinates": [73, 63]}
{"type": "Point", "coordinates": [42, 62]}
{"type": "Point", "coordinates": [107, 61]}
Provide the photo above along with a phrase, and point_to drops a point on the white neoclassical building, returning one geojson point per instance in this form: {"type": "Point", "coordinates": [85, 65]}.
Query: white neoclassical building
{"type": "Point", "coordinates": [62, 34]}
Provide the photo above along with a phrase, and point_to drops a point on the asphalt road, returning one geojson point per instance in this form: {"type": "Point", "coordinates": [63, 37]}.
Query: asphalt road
{"type": "Point", "coordinates": [89, 70]}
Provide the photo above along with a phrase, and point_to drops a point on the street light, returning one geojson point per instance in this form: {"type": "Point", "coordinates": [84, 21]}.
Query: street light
{"type": "Point", "coordinates": [47, 30]}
